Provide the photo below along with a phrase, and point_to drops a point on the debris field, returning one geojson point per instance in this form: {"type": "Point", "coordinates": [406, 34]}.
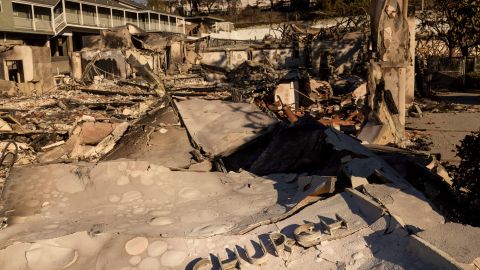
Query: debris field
{"type": "Point", "coordinates": [185, 162]}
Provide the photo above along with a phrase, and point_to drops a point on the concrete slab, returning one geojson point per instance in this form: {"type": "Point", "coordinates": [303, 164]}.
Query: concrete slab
{"type": "Point", "coordinates": [366, 248]}
{"type": "Point", "coordinates": [445, 130]}
{"type": "Point", "coordinates": [158, 139]}
{"type": "Point", "coordinates": [142, 197]}
{"type": "Point", "coordinates": [458, 240]}
{"type": "Point", "coordinates": [409, 206]}
{"type": "Point", "coordinates": [219, 127]}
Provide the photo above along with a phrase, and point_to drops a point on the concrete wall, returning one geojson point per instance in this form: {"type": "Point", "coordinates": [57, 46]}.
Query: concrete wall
{"type": "Point", "coordinates": [37, 68]}
{"type": "Point", "coordinates": [42, 63]}
{"type": "Point", "coordinates": [176, 52]}
{"type": "Point", "coordinates": [260, 31]}
{"type": "Point", "coordinates": [60, 65]}
{"type": "Point", "coordinates": [283, 58]}
{"type": "Point", "coordinates": [344, 51]}
{"type": "Point", "coordinates": [216, 58]}
{"type": "Point", "coordinates": [111, 61]}
{"type": "Point", "coordinates": [238, 57]}
{"type": "Point", "coordinates": [230, 59]}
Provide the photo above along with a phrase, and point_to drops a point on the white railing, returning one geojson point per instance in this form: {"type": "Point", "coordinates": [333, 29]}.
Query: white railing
{"type": "Point", "coordinates": [73, 18]}
{"type": "Point", "coordinates": [89, 19]}
{"type": "Point", "coordinates": [177, 29]}
{"type": "Point", "coordinates": [164, 27]}
{"type": "Point", "coordinates": [59, 19]}
{"type": "Point", "coordinates": [104, 22]}
{"type": "Point", "coordinates": [59, 23]}
{"type": "Point", "coordinates": [132, 21]}
{"type": "Point", "coordinates": [117, 22]}
{"type": "Point", "coordinates": [43, 25]}
{"type": "Point", "coordinates": [154, 26]}
{"type": "Point", "coordinates": [23, 23]}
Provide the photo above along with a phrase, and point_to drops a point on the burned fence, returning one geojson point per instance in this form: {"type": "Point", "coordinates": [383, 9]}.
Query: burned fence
{"type": "Point", "coordinates": [453, 73]}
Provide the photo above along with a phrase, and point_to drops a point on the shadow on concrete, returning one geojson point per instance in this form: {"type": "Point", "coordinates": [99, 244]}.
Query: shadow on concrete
{"type": "Point", "coordinates": [461, 98]}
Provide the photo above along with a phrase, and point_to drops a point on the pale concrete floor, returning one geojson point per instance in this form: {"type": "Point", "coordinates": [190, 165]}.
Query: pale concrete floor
{"type": "Point", "coordinates": [446, 130]}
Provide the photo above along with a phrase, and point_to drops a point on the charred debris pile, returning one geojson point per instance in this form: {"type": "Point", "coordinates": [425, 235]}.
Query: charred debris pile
{"type": "Point", "coordinates": [255, 106]}
{"type": "Point", "coordinates": [125, 74]}
{"type": "Point", "coordinates": [238, 111]}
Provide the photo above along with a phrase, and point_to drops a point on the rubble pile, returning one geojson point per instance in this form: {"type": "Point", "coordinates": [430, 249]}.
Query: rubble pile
{"type": "Point", "coordinates": [251, 80]}
{"type": "Point", "coordinates": [40, 125]}
{"type": "Point", "coordinates": [154, 160]}
{"type": "Point", "coordinates": [297, 94]}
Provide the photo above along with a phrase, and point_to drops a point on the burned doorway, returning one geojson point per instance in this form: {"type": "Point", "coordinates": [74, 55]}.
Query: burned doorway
{"type": "Point", "coordinates": [108, 68]}
{"type": "Point", "coordinates": [15, 70]}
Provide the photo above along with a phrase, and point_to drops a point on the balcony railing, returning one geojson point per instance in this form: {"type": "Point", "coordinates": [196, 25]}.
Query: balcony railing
{"type": "Point", "coordinates": [26, 23]}
{"type": "Point", "coordinates": [118, 22]}
{"type": "Point", "coordinates": [99, 20]}
{"type": "Point", "coordinates": [59, 23]}
{"type": "Point", "coordinates": [89, 19]}
{"type": "Point", "coordinates": [73, 18]}
{"type": "Point", "coordinates": [176, 29]}
{"type": "Point", "coordinates": [23, 23]}
{"type": "Point", "coordinates": [104, 21]}
{"type": "Point", "coordinates": [42, 25]}
{"type": "Point", "coordinates": [153, 26]}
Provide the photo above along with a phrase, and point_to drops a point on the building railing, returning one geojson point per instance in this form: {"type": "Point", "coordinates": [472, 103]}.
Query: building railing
{"type": "Point", "coordinates": [104, 22]}
{"type": "Point", "coordinates": [149, 21]}
{"type": "Point", "coordinates": [118, 22]}
{"type": "Point", "coordinates": [42, 25]}
{"type": "Point", "coordinates": [23, 23]}
{"type": "Point", "coordinates": [153, 26]}
{"type": "Point", "coordinates": [73, 17]}
{"type": "Point", "coordinates": [59, 23]}
{"type": "Point", "coordinates": [89, 19]}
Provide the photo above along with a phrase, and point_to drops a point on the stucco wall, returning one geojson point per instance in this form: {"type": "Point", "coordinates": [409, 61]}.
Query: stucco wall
{"type": "Point", "coordinates": [230, 59]}
{"type": "Point", "coordinates": [24, 54]}
{"type": "Point", "coordinates": [216, 59]}
{"type": "Point", "coordinates": [116, 58]}
{"type": "Point", "coordinates": [37, 68]}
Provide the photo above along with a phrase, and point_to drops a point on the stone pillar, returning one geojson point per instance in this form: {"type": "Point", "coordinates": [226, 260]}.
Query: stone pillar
{"type": "Point", "coordinates": [76, 62]}
{"type": "Point", "coordinates": [69, 45]}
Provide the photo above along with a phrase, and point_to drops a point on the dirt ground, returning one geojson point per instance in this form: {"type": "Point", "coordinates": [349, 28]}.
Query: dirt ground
{"type": "Point", "coordinates": [446, 129]}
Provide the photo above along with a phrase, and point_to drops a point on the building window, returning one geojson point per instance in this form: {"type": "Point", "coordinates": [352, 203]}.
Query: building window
{"type": "Point", "coordinates": [15, 70]}
{"type": "Point", "coordinates": [22, 11]}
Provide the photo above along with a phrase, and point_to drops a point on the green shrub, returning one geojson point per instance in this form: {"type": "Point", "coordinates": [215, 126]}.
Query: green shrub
{"type": "Point", "coordinates": [466, 178]}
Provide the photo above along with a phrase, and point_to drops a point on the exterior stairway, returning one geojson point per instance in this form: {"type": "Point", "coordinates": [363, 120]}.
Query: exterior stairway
{"type": "Point", "coordinates": [59, 23]}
